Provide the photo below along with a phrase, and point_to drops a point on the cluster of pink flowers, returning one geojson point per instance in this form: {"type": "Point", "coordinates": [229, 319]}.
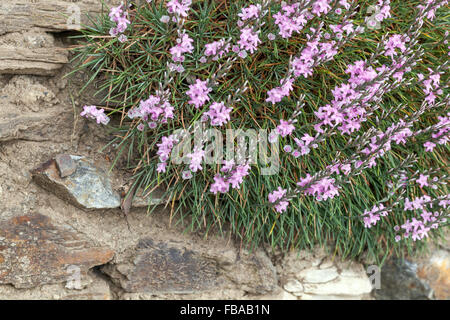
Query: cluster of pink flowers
{"type": "Point", "coordinates": [184, 45]}
{"type": "Point", "coordinates": [164, 150]}
{"type": "Point", "coordinates": [249, 40]}
{"type": "Point", "coordinates": [441, 134]}
{"type": "Point", "coordinates": [251, 12]}
{"type": "Point", "coordinates": [196, 158]}
{"type": "Point", "coordinates": [198, 92]}
{"type": "Point", "coordinates": [119, 16]}
{"type": "Point", "coordinates": [233, 175]}
{"type": "Point", "coordinates": [432, 85]}
{"type": "Point", "coordinates": [217, 49]}
{"type": "Point", "coordinates": [418, 229]}
{"type": "Point", "coordinates": [322, 189]}
{"type": "Point", "coordinates": [316, 51]}
{"type": "Point", "coordinates": [278, 198]}
{"type": "Point", "coordinates": [91, 112]}
{"type": "Point", "coordinates": [179, 8]}
{"type": "Point", "coordinates": [372, 216]}
{"type": "Point", "coordinates": [152, 110]}
{"type": "Point", "coordinates": [218, 113]}
{"type": "Point", "coordinates": [432, 6]}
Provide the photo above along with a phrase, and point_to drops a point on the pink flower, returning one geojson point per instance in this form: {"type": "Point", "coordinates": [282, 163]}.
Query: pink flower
{"type": "Point", "coordinates": [251, 12]}
{"type": "Point", "coordinates": [429, 146]}
{"type": "Point", "coordinates": [285, 128]}
{"type": "Point", "coordinates": [179, 8]}
{"type": "Point", "coordinates": [423, 180]}
{"type": "Point", "coordinates": [218, 113]}
{"type": "Point", "coordinates": [184, 46]}
{"type": "Point", "coordinates": [91, 112]}
{"type": "Point", "coordinates": [276, 195]}
{"type": "Point", "coordinates": [196, 159]}
{"type": "Point", "coordinates": [219, 185]}
{"type": "Point", "coordinates": [249, 40]}
{"type": "Point", "coordinates": [217, 49]}
{"type": "Point", "coordinates": [198, 92]}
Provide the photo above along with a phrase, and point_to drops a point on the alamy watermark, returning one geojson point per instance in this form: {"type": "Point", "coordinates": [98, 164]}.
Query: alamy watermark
{"type": "Point", "coordinates": [243, 146]}
{"type": "Point", "coordinates": [374, 273]}
{"type": "Point", "coordinates": [73, 17]}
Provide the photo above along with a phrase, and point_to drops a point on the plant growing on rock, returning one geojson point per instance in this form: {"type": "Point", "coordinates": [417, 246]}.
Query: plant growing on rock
{"type": "Point", "coordinates": [348, 113]}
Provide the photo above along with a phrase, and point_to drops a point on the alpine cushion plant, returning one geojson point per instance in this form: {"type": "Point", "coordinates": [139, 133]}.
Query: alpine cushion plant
{"type": "Point", "coordinates": [355, 106]}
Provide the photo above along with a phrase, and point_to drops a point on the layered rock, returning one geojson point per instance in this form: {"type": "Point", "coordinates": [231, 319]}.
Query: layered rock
{"type": "Point", "coordinates": [34, 251]}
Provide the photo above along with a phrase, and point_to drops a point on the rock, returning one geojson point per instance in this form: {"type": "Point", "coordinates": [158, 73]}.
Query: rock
{"type": "Point", "coordinates": [350, 286]}
{"type": "Point", "coordinates": [293, 286]}
{"type": "Point", "coordinates": [89, 187]}
{"type": "Point", "coordinates": [313, 275]}
{"type": "Point", "coordinates": [436, 273]}
{"type": "Point", "coordinates": [416, 279]}
{"type": "Point", "coordinates": [277, 294]}
{"type": "Point", "coordinates": [26, 126]}
{"type": "Point", "coordinates": [160, 268]}
{"type": "Point", "coordinates": [98, 289]}
{"type": "Point", "coordinates": [253, 273]}
{"type": "Point", "coordinates": [65, 164]}
{"type": "Point", "coordinates": [39, 61]}
{"type": "Point", "coordinates": [143, 199]}
{"type": "Point", "coordinates": [33, 251]}
{"type": "Point", "coordinates": [49, 15]}
{"type": "Point", "coordinates": [333, 297]}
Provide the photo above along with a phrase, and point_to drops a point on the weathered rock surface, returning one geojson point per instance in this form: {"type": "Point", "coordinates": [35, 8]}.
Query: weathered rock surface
{"type": "Point", "coordinates": [50, 15]}
{"type": "Point", "coordinates": [436, 273]}
{"type": "Point", "coordinates": [28, 112]}
{"type": "Point", "coordinates": [40, 61]}
{"type": "Point", "coordinates": [65, 164]}
{"type": "Point", "coordinates": [95, 288]}
{"type": "Point", "coordinates": [143, 198]}
{"type": "Point", "coordinates": [313, 276]}
{"type": "Point", "coordinates": [33, 251]}
{"type": "Point", "coordinates": [159, 268]}
{"type": "Point", "coordinates": [89, 187]}
{"type": "Point", "coordinates": [411, 279]}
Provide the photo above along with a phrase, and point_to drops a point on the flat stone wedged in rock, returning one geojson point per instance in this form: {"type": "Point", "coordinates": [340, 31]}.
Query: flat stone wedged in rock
{"type": "Point", "coordinates": [159, 268]}
{"type": "Point", "coordinates": [89, 187]}
{"type": "Point", "coordinates": [33, 251]}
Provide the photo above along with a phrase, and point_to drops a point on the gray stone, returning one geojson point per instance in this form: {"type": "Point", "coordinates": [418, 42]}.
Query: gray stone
{"type": "Point", "coordinates": [160, 268]}
{"type": "Point", "coordinates": [144, 198]}
{"type": "Point", "coordinates": [89, 187]}
{"type": "Point", "coordinates": [65, 164]}
{"type": "Point", "coordinates": [416, 279]}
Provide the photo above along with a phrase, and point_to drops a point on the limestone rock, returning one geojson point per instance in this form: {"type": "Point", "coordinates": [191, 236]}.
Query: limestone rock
{"type": "Point", "coordinates": [350, 286]}
{"type": "Point", "coordinates": [33, 251]}
{"type": "Point", "coordinates": [313, 275]}
{"type": "Point", "coordinates": [50, 15]}
{"type": "Point", "coordinates": [89, 187]}
{"type": "Point", "coordinates": [41, 61]}
{"type": "Point", "coordinates": [293, 286]}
